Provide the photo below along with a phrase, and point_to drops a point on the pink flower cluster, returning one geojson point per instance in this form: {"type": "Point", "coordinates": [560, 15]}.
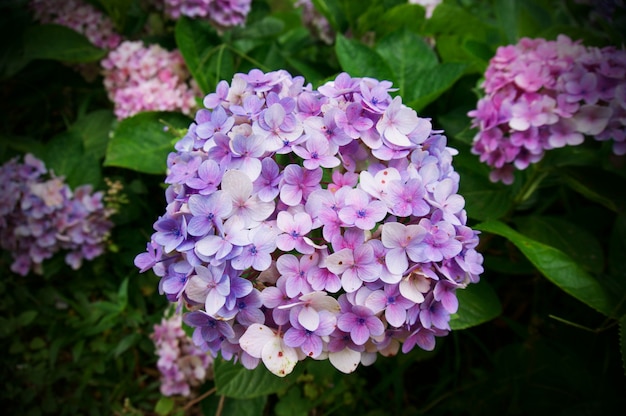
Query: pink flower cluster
{"type": "Point", "coordinates": [147, 78]}
{"type": "Point", "coordinates": [221, 13]}
{"type": "Point", "coordinates": [181, 363]}
{"type": "Point", "coordinates": [312, 223]}
{"type": "Point", "coordinates": [541, 95]}
{"type": "Point", "coordinates": [79, 16]}
{"type": "Point", "coordinates": [40, 215]}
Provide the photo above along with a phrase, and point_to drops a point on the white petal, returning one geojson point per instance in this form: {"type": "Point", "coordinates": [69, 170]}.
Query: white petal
{"type": "Point", "coordinates": [346, 360]}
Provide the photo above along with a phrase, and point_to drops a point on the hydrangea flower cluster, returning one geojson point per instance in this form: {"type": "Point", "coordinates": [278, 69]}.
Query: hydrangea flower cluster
{"type": "Point", "coordinates": [40, 216]}
{"type": "Point", "coordinates": [148, 78]}
{"type": "Point", "coordinates": [542, 95]}
{"type": "Point", "coordinates": [182, 365]}
{"type": "Point", "coordinates": [79, 16]}
{"type": "Point", "coordinates": [221, 13]}
{"type": "Point", "coordinates": [312, 223]}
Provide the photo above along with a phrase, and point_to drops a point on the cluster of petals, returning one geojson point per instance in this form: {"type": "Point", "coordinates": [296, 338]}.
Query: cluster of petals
{"type": "Point", "coordinates": [312, 223]}
{"type": "Point", "coordinates": [221, 13]}
{"type": "Point", "coordinates": [542, 95]}
{"type": "Point", "coordinates": [181, 363]}
{"type": "Point", "coordinates": [80, 16]}
{"type": "Point", "coordinates": [147, 78]}
{"type": "Point", "coordinates": [40, 216]}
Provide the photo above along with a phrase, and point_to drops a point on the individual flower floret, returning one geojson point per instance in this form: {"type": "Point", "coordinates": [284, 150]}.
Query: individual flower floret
{"type": "Point", "coordinates": [542, 95]}
{"type": "Point", "coordinates": [318, 223]}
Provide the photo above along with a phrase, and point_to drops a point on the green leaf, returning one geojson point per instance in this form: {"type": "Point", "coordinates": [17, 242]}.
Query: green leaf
{"type": "Point", "coordinates": [197, 41]}
{"type": "Point", "coordinates": [122, 294]}
{"type": "Point", "coordinates": [142, 143]}
{"type": "Point", "coordinates": [267, 27]}
{"type": "Point", "coordinates": [65, 156]}
{"type": "Point", "coordinates": [233, 380]}
{"type": "Point", "coordinates": [25, 318]}
{"type": "Point", "coordinates": [450, 19]}
{"type": "Point", "coordinates": [507, 13]}
{"type": "Point", "coordinates": [596, 185]}
{"type": "Point", "coordinates": [411, 16]}
{"type": "Point", "coordinates": [94, 129]}
{"type": "Point", "coordinates": [164, 406]}
{"type": "Point", "coordinates": [125, 343]}
{"type": "Point", "coordinates": [557, 267]}
{"type": "Point", "coordinates": [59, 43]}
{"type": "Point", "coordinates": [484, 200]}
{"type": "Point", "coordinates": [407, 54]}
{"type": "Point", "coordinates": [232, 406]}
{"type": "Point", "coordinates": [360, 61]}
{"type": "Point", "coordinates": [563, 235]}
{"type": "Point", "coordinates": [478, 303]}
{"type": "Point", "coordinates": [430, 83]}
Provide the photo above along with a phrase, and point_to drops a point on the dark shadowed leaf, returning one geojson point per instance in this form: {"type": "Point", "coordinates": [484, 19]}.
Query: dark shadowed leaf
{"type": "Point", "coordinates": [59, 43]}
{"type": "Point", "coordinates": [566, 236]}
{"type": "Point", "coordinates": [596, 185]}
{"type": "Point", "coordinates": [557, 267]}
{"type": "Point", "coordinates": [478, 303]}
{"type": "Point", "coordinates": [234, 380]}
{"type": "Point", "coordinates": [65, 155]}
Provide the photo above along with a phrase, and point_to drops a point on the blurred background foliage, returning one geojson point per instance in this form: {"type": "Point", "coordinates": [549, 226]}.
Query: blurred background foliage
{"type": "Point", "coordinates": [541, 334]}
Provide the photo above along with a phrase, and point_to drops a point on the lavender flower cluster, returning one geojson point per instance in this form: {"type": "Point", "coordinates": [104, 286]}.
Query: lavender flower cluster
{"type": "Point", "coordinates": [312, 223]}
{"type": "Point", "coordinates": [79, 16]}
{"type": "Point", "coordinates": [542, 95]}
{"type": "Point", "coordinates": [221, 13]}
{"type": "Point", "coordinates": [147, 78]}
{"type": "Point", "coordinates": [182, 365]}
{"type": "Point", "coordinates": [40, 216]}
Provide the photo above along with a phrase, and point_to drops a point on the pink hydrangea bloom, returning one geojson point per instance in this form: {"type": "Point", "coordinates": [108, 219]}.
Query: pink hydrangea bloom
{"type": "Point", "coordinates": [541, 95]}
{"type": "Point", "coordinates": [147, 78]}
{"type": "Point", "coordinates": [181, 363]}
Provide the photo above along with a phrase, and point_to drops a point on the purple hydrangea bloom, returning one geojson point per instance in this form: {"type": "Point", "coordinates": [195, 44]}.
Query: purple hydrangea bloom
{"type": "Point", "coordinates": [312, 223]}
{"type": "Point", "coordinates": [40, 216]}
